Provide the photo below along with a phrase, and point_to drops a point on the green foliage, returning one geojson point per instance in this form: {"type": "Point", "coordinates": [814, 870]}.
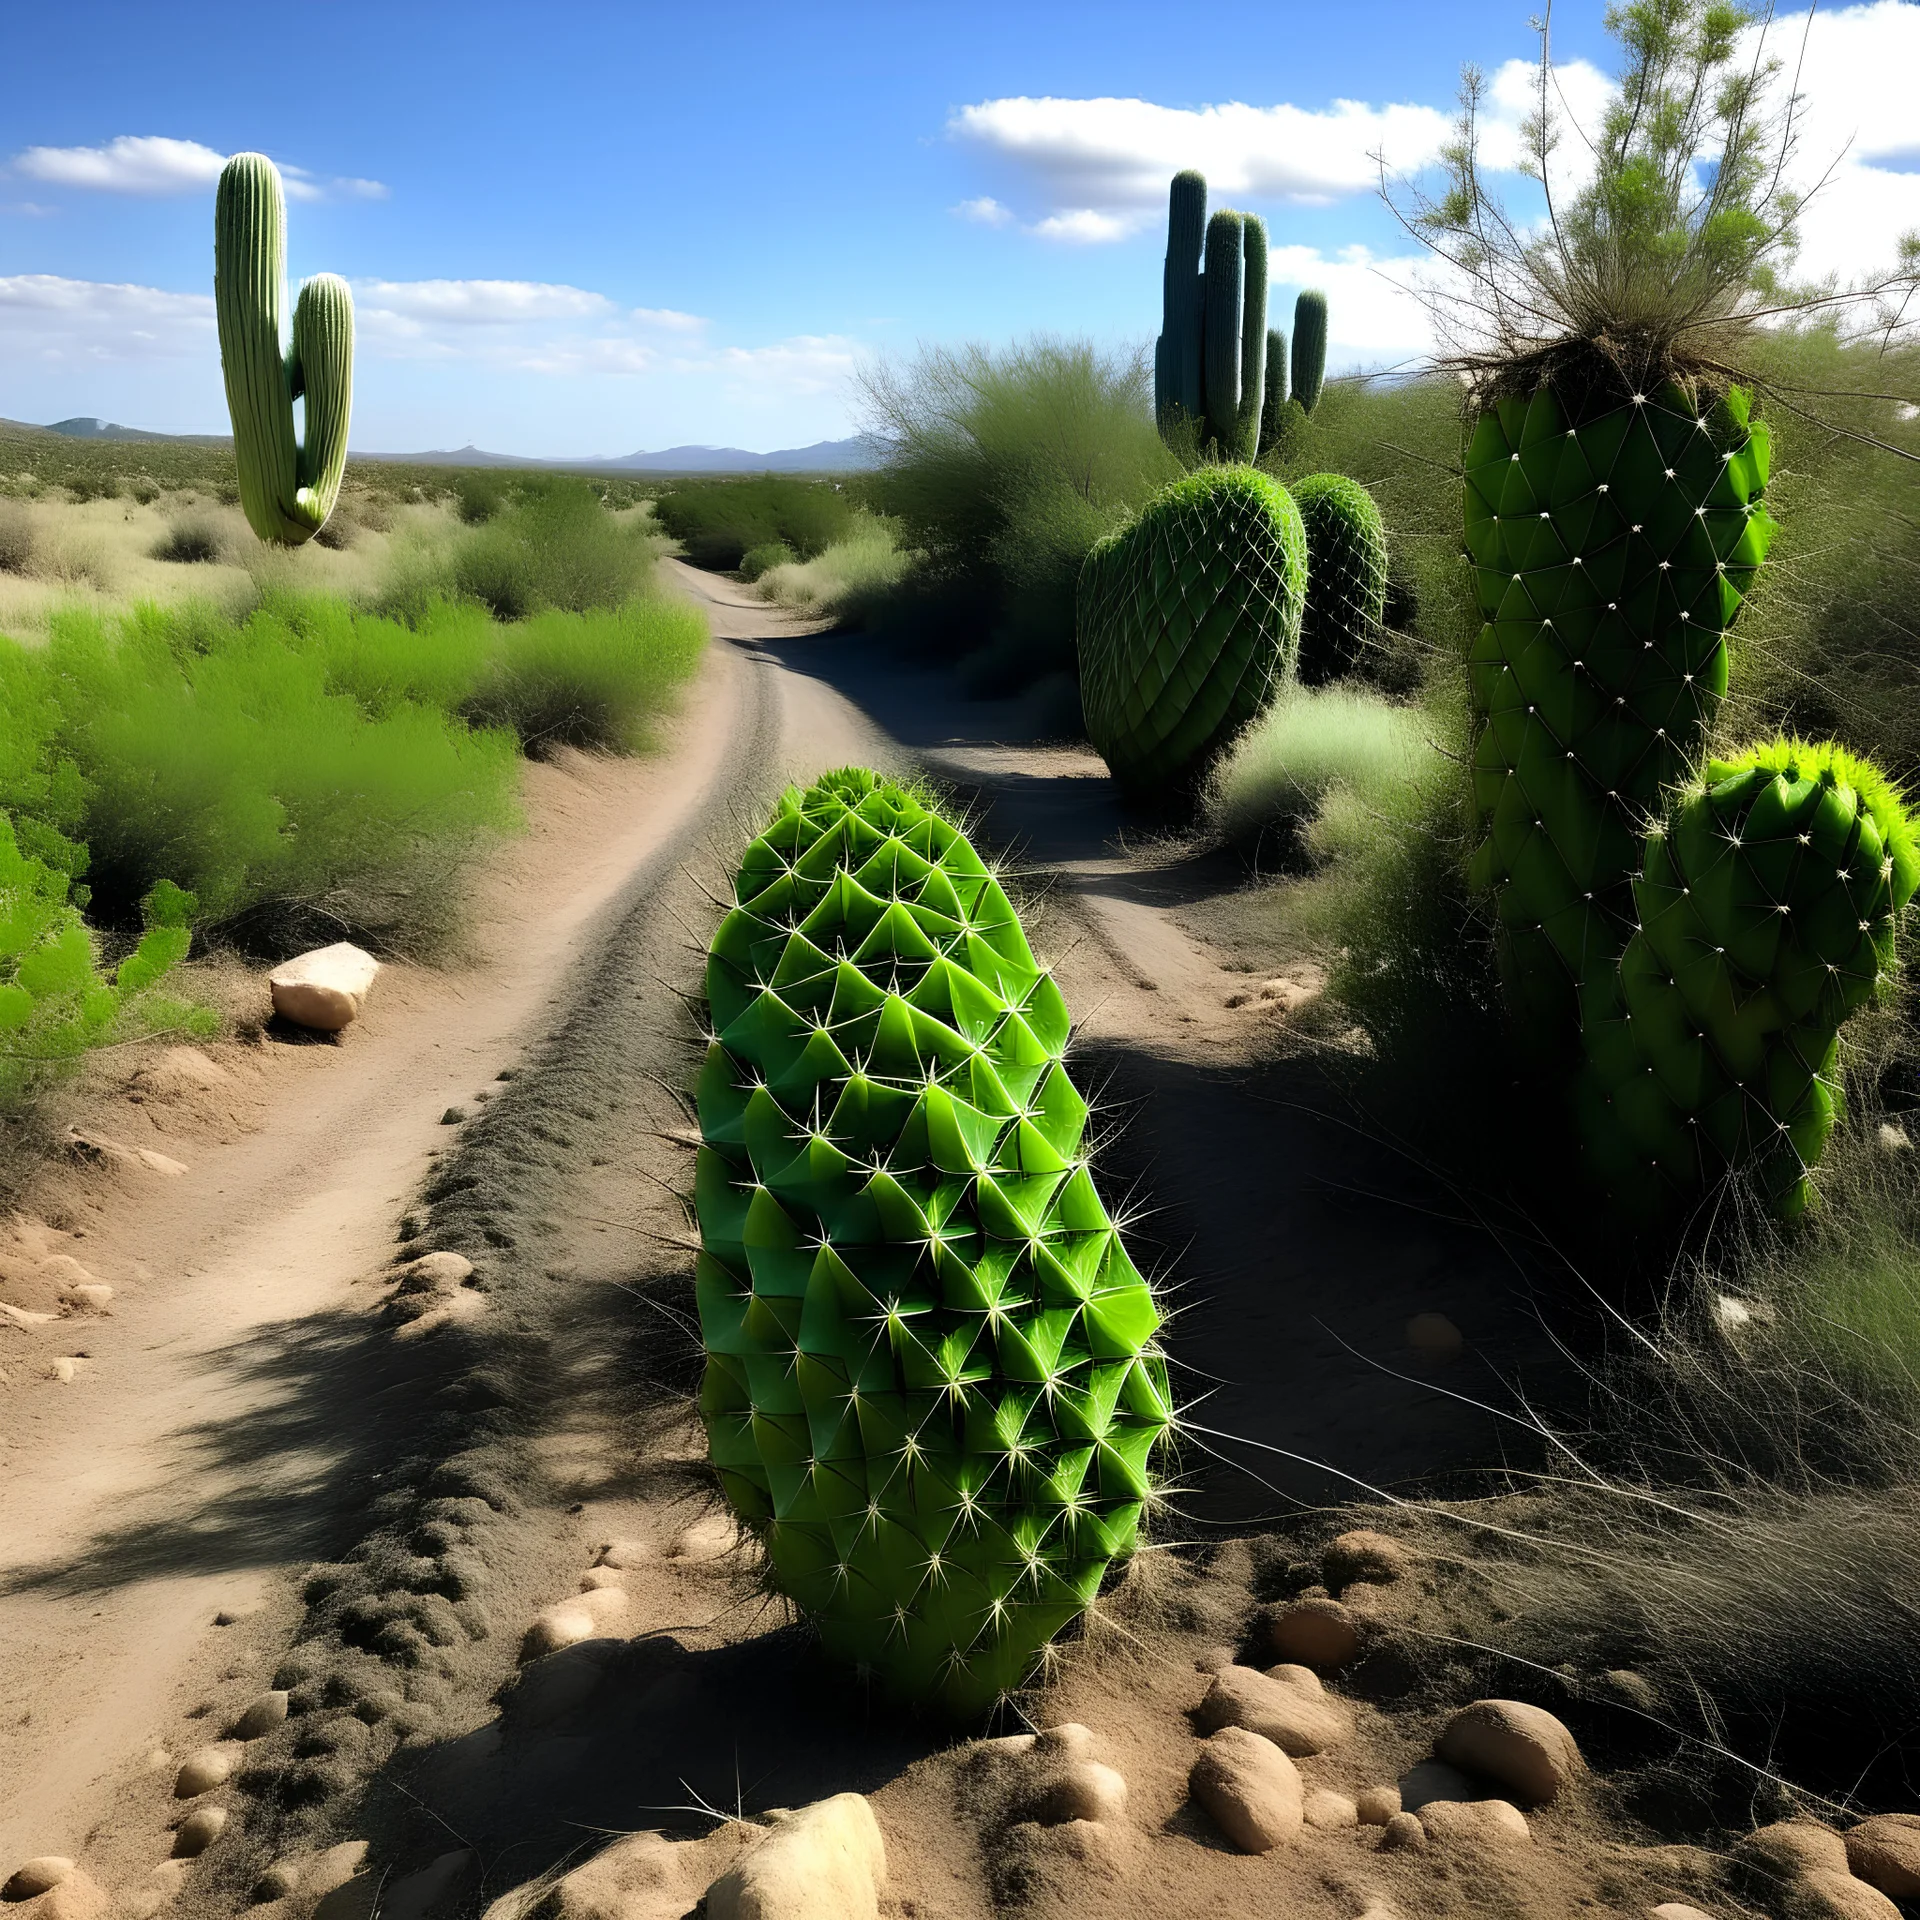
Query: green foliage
{"type": "Point", "coordinates": [478, 494]}
{"type": "Point", "coordinates": [1189, 622]}
{"type": "Point", "coordinates": [287, 488]}
{"type": "Point", "coordinates": [555, 546]}
{"type": "Point", "coordinates": [932, 1382]}
{"type": "Point", "coordinates": [1211, 359]}
{"type": "Point", "coordinates": [719, 522]}
{"type": "Point", "coordinates": [849, 581]}
{"type": "Point", "coordinates": [1346, 574]}
{"type": "Point", "coordinates": [763, 558]}
{"type": "Point", "coordinates": [1309, 348]}
{"type": "Point", "coordinates": [189, 543]}
{"type": "Point", "coordinates": [1767, 909]}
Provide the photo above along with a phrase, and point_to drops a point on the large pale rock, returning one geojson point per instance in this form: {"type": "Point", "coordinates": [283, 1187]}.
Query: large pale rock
{"type": "Point", "coordinates": [268, 1711]}
{"type": "Point", "coordinates": [1403, 1834]}
{"type": "Point", "coordinates": [39, 1875]}
{"type": "Point", "coordinates": [641, 1877]}
{"type": "Point", "coordinates": [567, 1622]}
{"type": "Point", "coordinates": [1363, 1555]}
{"type": "Point", "coordinates": [1250, 1789]}
{"type": "Point", "coordinates": [1083, 1790]}
{"type": "Point", "coordinates": [1286, 1705]}
{"type": "Point", "coordinates": [1376, 1805]}
{"type": "Point", "coordinates": [1483, 1823]}
{"type": "Point", "coordinates": [1824, 1894]}
{"type": "Point", "coordinates": [203, 1770]}
{"type": "Point", "coordinates": [1884, 1851]}
{"type": "Point", "coordinates": [1330, 1812]}
{"type": "Point", "coordinates": [323, 989]}
{"type": "Point", "coordinates": [1676, 1910]}
{"type": "Point", "coordinates": [1772, 1856]}
{"type": "Point", "coordinates": [1315, 1633]}
{"type": "Point", "coordinates": [1524, 1748]}
{"type": "Point", "coordinates": [823, 1862]}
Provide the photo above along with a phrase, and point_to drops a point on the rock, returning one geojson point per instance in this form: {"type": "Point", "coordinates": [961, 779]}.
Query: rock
{"type": "Point", "coordinates": [1377, 1805]}
{"type": "Point", "coordinates": [1676, 1910]}
{"type": "Point", "coordinates": [1628, 1689]}
{"type": "Point", "coordinates": [63, 1369]}
{"type": "Point", "coordinates": [1524, 1748]}
{"type": "Point", "coordinates": [1435, 1335]}
{"type": "Point", "coordinates": [1086, 1790]}
{"type": "Point", "coordinates": [626, 1553]}
{"type": "Point", "coordinates": [37, 1876]}
{"type": "Point", "coordinates": [202, 1771]}
{"type": "Point", "coordinates": [1249, 1788]}
{"type": "Point", "coordinates": [1315, 1633]}
{"type": "Point", "coordinates": [1286, 1705]}
{"type": "Point", "coordinates": [567, 1622]}
{"type": "Point", "coordinates": [416, 1894]}
{"type": "Point", "coordinates": [76, 1897]}
{"type": "Point", "coordinates": [266, 1713]}
{"type": "Point", "coordinates": [640, 1877]}
{"type": "Point", "coordinates": [1068, 1737]}
{"type": "Point", "coordinates": [1884, 1851]}
{"type": "Point", "coordinates": [1475, 1822]}
{"type": "Point", "coordinates": [825, 1862]}
{"type": "Point", "coordinates": [1403, 1833]}
{"type": "Point", "coordinates": [1363, 1555]}
{"type": "Point", "coordinates": [1329, 1811]}
{"type": "Point", "coordinates": [198, 1831]}
{"type": "Point", "coordinates": [91, 1299]}
{"type": "Point", "coordinates": [707, 1539]}
{"type": "Point", "coordinates": [1769, 1857]}
{"type": "Point", "coordinates": [333, 1867]}
{"type": "Point", "coordinates": [323, 989]}
{"type": "Point", "coordinates": [453, 1116]}
{"type": "Point", "coordinates": [1824, 1894]}
{"type": "Point", "coordinates": [1432, 1780]}
{"type": "Point", "coordinates": [441, 1272]}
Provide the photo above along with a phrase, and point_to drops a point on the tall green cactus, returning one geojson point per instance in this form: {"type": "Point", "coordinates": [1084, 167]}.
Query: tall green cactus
{"type": "Point", "coordinates": [1767, 907]}
{"type": "Point", "coordinates": [1188, 621]}
{"type": "Point", "coordinates": [287, 489]}
{"type": "Point", "coordinates": [1309, 348]}
{"type": "Point", "coordinates": [932, 1383]}
{"type": "Point", "coordinates": [1346, 574]}
{"type": "Point", "coordinates": [1273, 401]}
{"type": "Point", "coordinates": [1210, 360]}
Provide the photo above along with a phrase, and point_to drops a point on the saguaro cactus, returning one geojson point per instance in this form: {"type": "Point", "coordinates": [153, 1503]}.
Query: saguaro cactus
{"type": "Point", "coordinates": [1210, 361]}
{"type": "Point", "coordinates": [287, 489]}
{"type": "Point", "coordinates": [1274, 400]}
{"type": "Point", "coordinates": [1179, 388]}
{"type": "Point", "coordinates": [932, 1384]}
{"type": "Point", "coordinates": [1346, 573]}
{"type": "Point", "coordinates": [1309, 348]}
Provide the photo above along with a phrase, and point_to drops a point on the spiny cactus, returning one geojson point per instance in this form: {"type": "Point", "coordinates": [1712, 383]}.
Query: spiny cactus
{"type": "Point", "coordinates": [932, 1383]}
{"type": "Point", "coordinates": [1210, 360]}
{"type": "Point", "coordinates": [1767, 905]}
{"type": "Point", "coordinates": [1612, 545]}
{"type": "Point", "coordinates": [1188, 621]}
{"type": "Point", "coordinates": [1274, 399]}
{"type": "Point", "coordinates": [1309, 348]}
{"type": "Point", "coordinates": [287, 490]}
{"type": "Point", "coordinates": [1346, 574]}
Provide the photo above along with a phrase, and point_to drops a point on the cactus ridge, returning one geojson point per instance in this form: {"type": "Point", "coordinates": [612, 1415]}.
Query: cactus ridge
{"type": "Point", "coordinates": [1768, 905]}
{"type": "Point", "coordinates": [1346, 574]}
{"type": "Point", "coordinates": [1610, 557]}
{"type": "Point", "coordinates": [1189, 620]}
{"type": "Point", "coordinates": [932, 1381]}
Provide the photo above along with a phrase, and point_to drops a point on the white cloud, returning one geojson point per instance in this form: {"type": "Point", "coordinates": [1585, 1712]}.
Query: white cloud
{"type": "Point", "coordinates": [478, 303]}
{"type": "Point", "coordinates": [670, 319]}
{"type": "Point", "coordinates": [52, 321]}
{"type": "Point", "coordinates": [134, 163]}
{"type": "Point", "coordinates": [1374, 315]}
{"type": "Point", "coordinates": [986, 211]}
{"type": "Point", "coordinates": [1086, 226]}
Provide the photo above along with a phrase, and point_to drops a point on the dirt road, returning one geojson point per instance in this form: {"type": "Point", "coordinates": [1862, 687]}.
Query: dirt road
{"type": "Point", "coordinates": [376, 1504]}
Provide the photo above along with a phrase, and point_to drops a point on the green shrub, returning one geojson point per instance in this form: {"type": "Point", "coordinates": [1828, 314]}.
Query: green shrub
{"type": "Point", "coordinates": [848, 580]}
{"type": "Point", "coordinates": [718, 522]}
{"type": "Point", "coordinates": [18, 547]}
{"type": "Point", "coordinates": [189, 543]}
{"type": "Point", "coordinates": [764, 558]}
{"type": "Point", "coordinates": [478, 495]}
{"type": "Point", "coordinates": [557, 546]}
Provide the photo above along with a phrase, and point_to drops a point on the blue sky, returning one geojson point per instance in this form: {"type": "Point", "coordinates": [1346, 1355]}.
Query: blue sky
{"type": "Point", "coordinates": [588, 229]}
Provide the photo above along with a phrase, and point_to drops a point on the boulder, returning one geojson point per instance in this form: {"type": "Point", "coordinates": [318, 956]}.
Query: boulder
{"type": "Point", "coordinates": [1363, 1555]}
{"type": "Point", "coordinates": [640, 1877]}
{"type": "Point", "coordinates": [265, 1713]}
{"type": "Point", "coordinates": [1475, 1823]}
{"type": "Point", "coordinates": [1676, 1910]}
{"type": "Point", "coordinates": [39, 1875]}
{"type": "Point", "coordinates": [1403, 1833]}
{"type": "Point", "coordinates": [1286, 1705]}
{"type": "Point", "coordinates": [323, 989]}
{"type": "Point", "coordinates": [1249, 1788]}
{"type": "Point", "coordinates": [1773, 1856]}
{"type": "Point", "coordinates": [1085, 1790]}
{"type": "Point", "coordinates": [203, 1770]}
{"type": "Point", "coordinates": [1315, 1633]}
{"type": "Point", "coordinates": [823, 1862]}
{"type": "Point", "coordinates": [198, 1831]}
{"type": "Point", "coordinates": [1376, 1805]}
{"type": "Point", "coordinates": [1884, 1851]}
{"type": "Point", "coordinates": [1524, 1748]}
{"type": "Point", "coordinates": [1328, 1811]}
{"type": "Point", "coordinates": [1824, 1894]}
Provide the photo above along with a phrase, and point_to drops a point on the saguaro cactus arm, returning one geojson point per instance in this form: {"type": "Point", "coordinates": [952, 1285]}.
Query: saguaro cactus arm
{"type": "Point", "coordinates": [1309, 348]}
{"type": "Point", "coordinates": [1253, 338]}
{"type": "Point", "coordinates": [1226, 279]}
{"type": "Point", "coordinates": [1179, 361]}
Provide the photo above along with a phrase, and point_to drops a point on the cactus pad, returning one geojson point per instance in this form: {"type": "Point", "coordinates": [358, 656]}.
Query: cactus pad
{"type": "Point", "coordinates": [1189, 621]}
{"type": "Point", "coordinates": [1346, 574]}
{"type": "Point", "coordinates": [932, 1385]}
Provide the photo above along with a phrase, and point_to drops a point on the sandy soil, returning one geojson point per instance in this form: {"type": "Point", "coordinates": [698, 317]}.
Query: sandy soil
{"type": "Point", "coordinates": [287, 1459]}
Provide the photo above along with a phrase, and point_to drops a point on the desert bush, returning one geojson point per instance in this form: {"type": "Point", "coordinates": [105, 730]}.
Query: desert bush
{"type": "Point", "coordinates": [479, 495]}
{"type": "Point", "coordinates": [764, 558]}
{"type": "Point", "coordinates": [18, 545]}
{"type": "Point", "coordinates": [556, 546]}
{"type": "Point", "coordinates": [718, 522]}
{"type": "Point", "coordinates": [847, 580]}
{"type": "Point", "coordinates": [190, 543]}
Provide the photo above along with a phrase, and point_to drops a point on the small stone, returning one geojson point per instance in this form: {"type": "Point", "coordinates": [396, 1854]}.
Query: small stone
{"type": "Point", "coordinates": [567, 1622]}
{"type": "Point", "coordinates": [824, 1862]}
{"type": "Point", "coordinates": [552, 1687]}
{"type": "Point", "coordinates": [1377, 1805]}
{"type": "Point", "coordinates": [1363, 1555]}
{"type": "Point", "coordinates": [642, 1876]}
{"type": "Point", "coordinates": [92, 1297]}
{"type": "Point", "coordinates": [1249, 1788]}
{"type": "Point", "coordinates": [64, 1369]}
{"type": "Point", "coordinates": [1629, 1689]}
{"type": "Point", "coordinates": [198, 1831]}
{"type": "Point", "coordinates": [1436, 1336]}
{"type": "Point", "coordinates": [1432, 1780]}
{"type": "Point", "coordinates": [415, 1894]}
{"type": "Point", "coordinates": [1825, 1894]}
{"type": "Point", "coordinates": [626, 1553]}
{"type": "Point", "coordinates": [1772, 1856]}
{"type": "Point", "coordinates": [1524, 1748]}
{"type": "Point", "coordinates": [1085, 1791]}
{"type": "Point", "coordinates": [1403, 1833]}
{"type": "Point", "coordinates": [355, 1898]}
{"type": "Point", "coordinates": [1212, 1659]}
{"type": "Point", "coordinates": [333, 1867]}
{"type": "Point", "coordinates": [1884, 1851]}
{"type": "Point", "coordinates": [1286, 1705]}
{"type": "Point", "coordinates": [324, 989]}
{"type": "Point", "coordinates": [1329, 1811]}
{"type": "Point", "coordinates": [1676, 1910]}
{"type": "Point", "coordinates": [37, 1876]}
{"type": "Point", "coordinates": [441, 1272]}
{"type": "Point", "coordinates": [1315, 1633]}
{"type": "Point", "coordinates": [1475, 1822]}
{"type": "Point", "coordinates": [1068, 1737]}
{"type": "Point", "coordinates": [453, 1116]}
{"type": "Point", "coordinates": [280, 1880]}
{"type": "Point", "coordinates": [266, 1713]}
{"type": "Point", "coordinates": [202, 1771]}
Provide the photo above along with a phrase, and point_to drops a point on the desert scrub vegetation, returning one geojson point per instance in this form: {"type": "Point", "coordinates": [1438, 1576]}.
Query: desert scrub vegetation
{"type": "Point", "coordinates": [847, 582]}
{"type": "Point", "coordinates": [719, 522]}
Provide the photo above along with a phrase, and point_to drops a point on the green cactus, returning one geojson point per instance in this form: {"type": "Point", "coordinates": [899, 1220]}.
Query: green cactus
{"type": "Point", "coordinates": [287, 490]}
{"type": "Point", "coordinates": [1226, 293]}
{"type": "Point", "coordinates": [932, 1383]}
{"type": "Point", "coordinates": [1253, 339]}
{"type": "Point", "coordinates": [1767, 903]}
{"type": "Point", "coordinates": [1346, 574]}
{"type": "Point", "coordinates": [1612, 545]}
{"type": "Point", "coordinates": [1188, 621]}
{"type": "Point", "coordinates": [1309, 348]}
{"type": "Point", "coordinates": [1210, 361]}
{"type": "Point", "coordinates": [1273, 399]}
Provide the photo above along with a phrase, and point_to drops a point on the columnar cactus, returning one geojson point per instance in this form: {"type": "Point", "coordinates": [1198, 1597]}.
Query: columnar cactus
{"type": "Point", "coordinates": [932, 1382]}
{"type": "Point", "coordinates": [1346, 574]}
{"type": "Point", "coordinates": [1188, 622]}
{"type": "Point", "coordinates": [1210, 361]}
{"type": "Point", "coordinates": [1767, 907]}
{"type": "Point", "coordinates": [287, 490]}
{"type": "Point", "coordinates": [1309, 348]}
{"type": "Point", "coordinates": [1274, 399]}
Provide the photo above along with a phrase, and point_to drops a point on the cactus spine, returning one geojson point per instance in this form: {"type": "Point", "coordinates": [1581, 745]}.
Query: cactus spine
{"type": "Point", "coordinates": [932, 1386]}
{"type": "Point", "coordinates": [287, 490]}
{"type": "Point", "coordinates": [1309, 348]}
{"type": "Point", "coordinates": [1210, 360]}
{"type": "Point", "coordinates": [1346, 574]}
{"type": "Point", "coordinates": [1188, 621]}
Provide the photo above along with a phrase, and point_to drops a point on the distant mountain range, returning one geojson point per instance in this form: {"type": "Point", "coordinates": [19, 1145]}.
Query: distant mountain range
{"type": "Point", "coordinates": [824, 456]}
